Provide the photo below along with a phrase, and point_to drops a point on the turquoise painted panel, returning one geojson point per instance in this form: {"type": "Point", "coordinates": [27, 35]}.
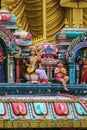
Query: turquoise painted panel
{"type": "Point", "coordinates": [2, 109]}
{"type": "Point", "coordinates": [13, 19]}
{"type": "Point", "coordinates": [68, 35]}
{"type": "Point", "coordinates": [80, 110]}
{"type": "Point", "coordinates": [40, 108]}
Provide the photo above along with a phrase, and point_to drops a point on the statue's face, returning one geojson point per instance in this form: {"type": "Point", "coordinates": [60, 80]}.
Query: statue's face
{"type": "Point", "coordinates": [60, 64]}
{"type": "Point", "coordinates": [33, 52]}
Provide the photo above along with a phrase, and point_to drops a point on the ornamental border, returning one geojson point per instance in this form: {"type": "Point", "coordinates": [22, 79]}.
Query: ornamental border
{"type": "Point", "coordinates": [40, 100]}
{"type": "Point", "coordinates": [44, 124]}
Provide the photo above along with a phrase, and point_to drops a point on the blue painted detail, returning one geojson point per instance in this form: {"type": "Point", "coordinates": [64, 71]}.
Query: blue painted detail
{"type": "Point", "coordinates": [63, 57]}
{"type": "Point", "coordinates": [40, 108]}
{"type": "Point", "coordinates": [13, 19]}
{"type": "Point", "coordinates": [51, 112]}
{"type": "Point", "coordinates": [24, 88]}
{"type": "Point", "coordinates": [9, 112]}
{"type": "Point", "coordinates": [30, 111]}
{"type": "Point", "coordinates": [71, 64]}
{"type": "Point", "coordinates": [25, 41]}
{"type": "Point", "coordinates": [72, 112]}
{"type": "Point", "coordinates": [72, 73]}
{"type": "Point", "coordinates": [12, 47]}
{"type": "Point", "coordinates": [80, 110]}
{"type": "Point", "coordinates": [2, 109]}
{"type": "Point", "coordinates": [48, 50]}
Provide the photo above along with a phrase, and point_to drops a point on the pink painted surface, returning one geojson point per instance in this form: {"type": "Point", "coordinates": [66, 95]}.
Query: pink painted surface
{"type": "Point", "coordinates": [19, 108]}
{"type": "Point", "coordinates": [60, 108]}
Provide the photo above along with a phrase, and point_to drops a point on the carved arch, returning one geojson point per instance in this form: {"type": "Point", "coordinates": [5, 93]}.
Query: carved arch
{"type": "Point", "coordinates": [6, 39]}
{"type": "Point", "coordinates": [79, 46]}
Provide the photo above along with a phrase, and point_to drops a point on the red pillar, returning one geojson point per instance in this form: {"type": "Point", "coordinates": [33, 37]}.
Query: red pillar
{"type": "Point", "coordinates": [17, 71]}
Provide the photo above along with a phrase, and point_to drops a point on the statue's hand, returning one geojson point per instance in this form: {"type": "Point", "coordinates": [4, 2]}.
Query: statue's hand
{"type": "Point", "coordinates": [29, 65]}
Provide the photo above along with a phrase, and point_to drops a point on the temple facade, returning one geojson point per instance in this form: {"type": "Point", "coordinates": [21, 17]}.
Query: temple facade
{"type": "Point", "coordinates": [43, 64]}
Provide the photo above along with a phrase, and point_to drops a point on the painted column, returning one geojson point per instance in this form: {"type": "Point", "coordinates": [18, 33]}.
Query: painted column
{"type": "Point", "coordinates": [17, 71]}
{"type": "Point", "coordinates": [72, 74]}
{"type": "Point", "coordinates": [51, 69]}
{"type": "Point", "coordinates": [10, 70]}
{"type": "Point", "coordinates": [48, 71]}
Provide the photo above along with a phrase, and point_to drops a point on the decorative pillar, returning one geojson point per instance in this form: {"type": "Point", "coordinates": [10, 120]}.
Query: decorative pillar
{"type": "Point", "coordinates": [17, 71]}
{"type": "Point", "coordinates": [71, 73]}
{"type": "Point", "coordinates": [10, 70]}
{"type": "Point", "coordinates": [66, 23]}
{"type": "Point", "coordinates": [71, 63]}
{"type": "Point", "coordinates": [44, 18]}
{"type": "Point", "coordinates": [51, 68]}
{"type": "Point", "coordinates": [77, 73]}
{"type": "Point", "coordinates": [48, 71]}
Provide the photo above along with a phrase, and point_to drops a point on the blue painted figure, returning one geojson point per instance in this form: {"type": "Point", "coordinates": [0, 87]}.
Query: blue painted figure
{"type": "Point", "coordinates": [48, 50]}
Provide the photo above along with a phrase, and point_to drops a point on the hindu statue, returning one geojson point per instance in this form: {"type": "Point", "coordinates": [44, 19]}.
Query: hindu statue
{"type": "Point", "coordinates": [34, 66]}
{"type": "Point", "coordinates": [60, 75]}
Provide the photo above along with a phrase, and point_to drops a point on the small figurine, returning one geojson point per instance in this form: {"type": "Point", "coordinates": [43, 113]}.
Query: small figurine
{"type": "Point", "coordinates": [60, 75]}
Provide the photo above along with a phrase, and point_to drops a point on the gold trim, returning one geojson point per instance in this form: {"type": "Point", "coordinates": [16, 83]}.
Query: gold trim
{"type": "Point", "coordinates": [38, 100]}
{"type": "Point", "coordinates": [43, 124]}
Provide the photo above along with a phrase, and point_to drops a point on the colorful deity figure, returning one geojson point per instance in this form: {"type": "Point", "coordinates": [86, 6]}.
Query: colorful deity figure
{"type": "Point", "coordinates": [84, 66]}
{"type": "Point", "coordinates": [78, 66]}
{"type": "Point", "coordinates": [34, 66]}
{"type": "Point", "coordinates": [84, 71]}
{"type": "Point", "coordinates": [60, 75]}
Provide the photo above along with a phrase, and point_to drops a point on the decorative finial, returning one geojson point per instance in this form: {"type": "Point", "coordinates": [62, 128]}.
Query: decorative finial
{"type": "Point", "coordinates": [20, 27]}
{"type": "Point", "coordinates": [81, 24]}
{"type": "Point", "coordinates": [74, 24]}
{"type": "Point", "coordinates": [66, 23]}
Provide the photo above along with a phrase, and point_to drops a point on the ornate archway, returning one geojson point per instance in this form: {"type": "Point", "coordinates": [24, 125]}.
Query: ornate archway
{"type": "Point", "coordinates": [6, 41]}
{"type": "Point", "coordinates": [77, 44]}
